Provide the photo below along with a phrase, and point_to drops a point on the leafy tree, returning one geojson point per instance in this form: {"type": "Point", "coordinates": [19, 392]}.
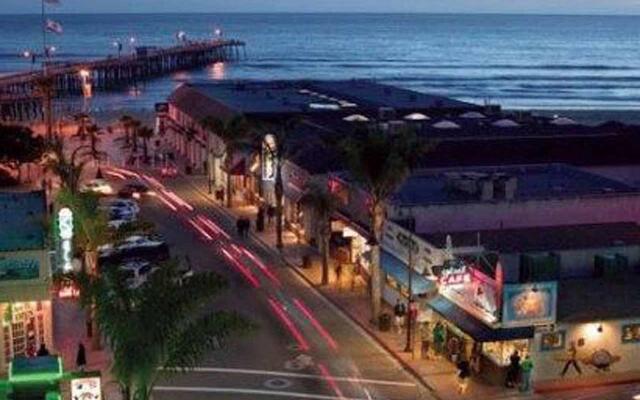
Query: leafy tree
{"type": "Point", "coordinates": [234, 133]}
{"type": "Point", "coordinates": [165, 325]}
{"type": "Point", "coordinates": [18, 146]}
{"type": "Point", "coordinates": [324, 204]}
{"type": "Point", "coordinates": [380, 162]}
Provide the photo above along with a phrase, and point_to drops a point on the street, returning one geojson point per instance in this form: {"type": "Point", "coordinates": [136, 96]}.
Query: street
{"type": "Point", "coordinates": [303, 348]}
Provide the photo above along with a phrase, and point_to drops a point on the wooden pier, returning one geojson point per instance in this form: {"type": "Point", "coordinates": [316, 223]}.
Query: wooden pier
{"type": "Point", "coordinates": [21, 94]}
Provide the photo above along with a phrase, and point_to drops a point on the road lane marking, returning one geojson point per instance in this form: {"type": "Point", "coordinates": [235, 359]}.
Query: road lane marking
{"type": "Point", "coordinates": [280, 393]}
{"type": "Point", "coordinates": [299, 375]}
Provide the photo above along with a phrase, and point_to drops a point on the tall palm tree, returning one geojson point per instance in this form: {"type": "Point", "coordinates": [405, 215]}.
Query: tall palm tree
{"type": "Point", "coordinates": [91, 232]}
{"type": "Point", "coordinates": [68, 168]}
{"type": "Point", "coordinates": [164, 326]}
{"type": "Point", "coordinates": [135, 127]}
{"type": "Point", "coordinates": [125, 121]}
{"type": "Point", "coordinates": [145, 133]}
{"type": "Point", "coordinates": [82, 119]}
{"type": "Point", "coordinates": [45, 87]}
{"type": "Point", "coordinates": [324, 204]}
{"type": "Point", "coordinates": [234, 132]}
{"type": "Point", "coordinates": [279, 150]}
{"type": "Point", "coordinates": [380, 162]}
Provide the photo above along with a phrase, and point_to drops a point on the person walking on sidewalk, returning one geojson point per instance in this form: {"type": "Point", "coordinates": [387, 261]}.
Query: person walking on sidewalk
{"type": "Point", "coordinates": [527, 368]}
{"type": "Point", "coordinates": [271, 213]}
{"type": "Point", "coordinates": [514, 370]}
{"type": "Point", "coordinates": [42, 351]}
{"type": "Point", "coordinates": [438, 339]}
{"type": "Point", "coordinates": [81, 358]}
{"type": "Point", "coordinates": [464, 372]}
{"type": "Point", "coordinates": [339, 275]}
{"type": "Point", "coordinates": [398, 315]}
{"type": "Point", "coordinates": [572, 359]}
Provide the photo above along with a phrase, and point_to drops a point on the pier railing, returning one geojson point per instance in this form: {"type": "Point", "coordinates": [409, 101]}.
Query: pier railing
{"type": "Point", "coordinates": [20, 96]}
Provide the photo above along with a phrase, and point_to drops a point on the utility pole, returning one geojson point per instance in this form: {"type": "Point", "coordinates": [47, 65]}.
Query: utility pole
{"type": "Point", "coordinates": [410, 305]}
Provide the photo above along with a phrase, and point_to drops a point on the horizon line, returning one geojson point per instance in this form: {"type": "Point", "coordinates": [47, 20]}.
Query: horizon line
{"type": "Point", "coordinates": [594, 14]}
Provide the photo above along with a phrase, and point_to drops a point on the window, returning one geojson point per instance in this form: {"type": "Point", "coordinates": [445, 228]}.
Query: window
{"type": "Point", "coordinates": [552, 341]}
{"type": "Point", "coordinates": [631, 333]}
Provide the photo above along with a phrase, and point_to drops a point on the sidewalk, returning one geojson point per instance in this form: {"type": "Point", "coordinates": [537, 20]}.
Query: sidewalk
{"type": "Point", "coordinates": [439, 375]}
{"type": "Point", "coordinates": [68, 331]}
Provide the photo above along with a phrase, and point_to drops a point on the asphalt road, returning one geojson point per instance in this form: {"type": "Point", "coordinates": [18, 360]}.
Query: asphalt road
{"type": "Point", "coordinates": [303, 348]}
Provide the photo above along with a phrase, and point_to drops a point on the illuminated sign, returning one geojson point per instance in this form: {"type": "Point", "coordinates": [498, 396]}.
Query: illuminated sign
{"type": "Point", "coordinates": [454, 272]}
{"type": "Point", "coordinates": [529, 304]}
{"type": "Point", "coordinates": [86, 389]}
{"type": "Point", "coordinates": [65, 227]}
{"type": "Point", "coordinates": [269, 158]}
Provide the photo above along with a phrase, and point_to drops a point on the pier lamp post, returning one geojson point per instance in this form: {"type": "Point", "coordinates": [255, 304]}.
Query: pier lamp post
{"type": "Point", "coordinates": [30, 55]}
{"type": "Point", "coordinates": [132, 44]}
{"type": "Point", "coordinates": [85, 76]}
{"type": "Point", "coordinates": [118, 45]}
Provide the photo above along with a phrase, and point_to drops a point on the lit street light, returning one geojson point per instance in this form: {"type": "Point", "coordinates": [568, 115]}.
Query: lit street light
{"type": "Point", "coordinates": [118, 45]}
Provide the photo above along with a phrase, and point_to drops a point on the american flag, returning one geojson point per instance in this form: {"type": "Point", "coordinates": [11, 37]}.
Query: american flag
{"type": "Point", "coordinates": [53, 26]}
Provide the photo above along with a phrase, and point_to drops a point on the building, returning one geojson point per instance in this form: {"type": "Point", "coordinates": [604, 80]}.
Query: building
{"type": "Point", "coordinates": [25, 276]}
{"type": "Point", "coordinates": [543, 291]}
{"type": "Point", "coordinates": [325, 105]}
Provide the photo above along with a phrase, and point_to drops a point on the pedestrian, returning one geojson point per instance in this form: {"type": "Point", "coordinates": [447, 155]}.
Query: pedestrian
{"type": "Point", "coordinates": [42, 351]}
{"type": "Point", "coordinates": [271, 213]}
{"type": "Point", "coordinates": [239, 226]}
{"type": "Point", "coordinates": [246, 226]}
{"type": "Point", "coordinates": [572, 359]}
{"type": "Point", "coordinates": [397, 315]}
{"type": "Point", "coordinates": [513, 370]}
{"type": "Point", "coordinates": [260, 220]}
{"type": "Point", "coordinates": [338, 275]}
{"type": "Point", "coordinates": [81, 358]}
{"type": "Point", "coordinates": [527, 368]}
{"type": "Point", "coordinates": [464, 372]}
{"type": "Point", "coordinates": [438, 338]}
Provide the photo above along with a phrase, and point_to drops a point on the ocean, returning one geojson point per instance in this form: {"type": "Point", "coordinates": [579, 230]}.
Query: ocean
{"type": "Point", "coordinates": [519, 61]}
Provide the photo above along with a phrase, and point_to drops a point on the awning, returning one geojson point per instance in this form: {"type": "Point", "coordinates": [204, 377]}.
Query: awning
{"type": "Point", "coordinates": [358, 227]}
{"type": "Point", "coordinates": [474, 327]}
{"type": "Point", "coordinates": [400, 272]}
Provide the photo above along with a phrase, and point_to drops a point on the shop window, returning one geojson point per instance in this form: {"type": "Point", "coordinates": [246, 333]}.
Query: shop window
{"type": "Point", "coordinates": [631, 333]}
{"type": "Point", "coordinates": [552, 341]}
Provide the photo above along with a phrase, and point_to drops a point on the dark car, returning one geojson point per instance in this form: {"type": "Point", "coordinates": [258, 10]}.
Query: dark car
{"type": "Point", "coordinates": [133, 190]}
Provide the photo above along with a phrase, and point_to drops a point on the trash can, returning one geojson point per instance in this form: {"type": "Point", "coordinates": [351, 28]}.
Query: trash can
{"type": "Point", "coordinates": [384, 322]}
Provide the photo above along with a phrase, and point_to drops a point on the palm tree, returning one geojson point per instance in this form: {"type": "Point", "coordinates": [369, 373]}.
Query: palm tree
{"type": "Point", "coordinates": [91, 231]}
{"type": "Point", "coordinates": [125, 121]}
{"type": "Point", "coordinates": [82, 119]}
{"type": "Point", "coordinates": [163, 326]}
{"type": "Point", "coordinates": [279, 149]}
{"type": "Point", "coordinates": [135, 127]}
{"type": "Point", "coordinates": [145, 133]}
{"type": "Point", "coordinates": [67, 168]}
{"type": "Point", "coordinates": [234, 132]}
{"type": "Point", "coordinates": [324, 204]}
{"type": "Point", "coordinates": [45, 87]}
{"type": "Point", "coordinates": [380, 162]}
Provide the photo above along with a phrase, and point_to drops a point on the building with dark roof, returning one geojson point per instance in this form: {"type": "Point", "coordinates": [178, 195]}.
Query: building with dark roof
{"type": "Point", "coordinates": [25, 275]}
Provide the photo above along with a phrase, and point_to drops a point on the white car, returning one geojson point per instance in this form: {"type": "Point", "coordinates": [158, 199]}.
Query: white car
{"type": "Point", "coordinates": [137, 272]}
{"type": "Point", "coordinates": [99, 186]}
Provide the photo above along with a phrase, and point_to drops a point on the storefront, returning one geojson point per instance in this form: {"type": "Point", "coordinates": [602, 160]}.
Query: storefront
{"type": "Point", "coordinates": [349, 245]}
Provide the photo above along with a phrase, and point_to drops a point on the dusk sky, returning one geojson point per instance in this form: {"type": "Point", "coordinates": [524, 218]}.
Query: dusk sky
{"type": "Point", "coordinates": [454, 6]}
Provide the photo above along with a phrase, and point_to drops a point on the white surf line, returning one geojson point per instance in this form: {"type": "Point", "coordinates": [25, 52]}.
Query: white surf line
{"type": "Point", "coordinates": [299, 375]}
{"type": "Point", "coordinates": [298, 395]}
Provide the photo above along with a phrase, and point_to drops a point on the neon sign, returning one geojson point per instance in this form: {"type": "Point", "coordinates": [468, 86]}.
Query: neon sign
{"type": "Point", "coordinates": [65, 222]}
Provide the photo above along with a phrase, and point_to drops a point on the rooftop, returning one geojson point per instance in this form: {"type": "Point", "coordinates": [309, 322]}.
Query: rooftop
{"type": "Point", "coordinates": [21, 217]}
{"type": "Point", "coordinates": [530, 182]}
{"type": "Point", "coordinates": [299, 96]}
{"type": "Point", "coordinates": [588, 300]}
{"type": "Point", "coordinates": [549, 238]}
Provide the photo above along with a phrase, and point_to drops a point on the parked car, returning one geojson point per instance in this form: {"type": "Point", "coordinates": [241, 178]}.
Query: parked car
{"type": "Point", "coordinates": [135, 189]}
{"type": "Point", "coordinates": [122, 204]}
{"type": "Point", "coordinates": [137, 272]}
{"type": "Point", "coordinates": [117, 220]}
{"type": "Point", "coordinates": [137, 246]}
{"type": "Point", "coordinates": [99, 186]}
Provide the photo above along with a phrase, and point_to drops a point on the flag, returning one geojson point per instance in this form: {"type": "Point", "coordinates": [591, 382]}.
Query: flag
{"type": "Point", "coordinates": [55, 2]}
{"type": "Point", "coordinates": [53, 26]}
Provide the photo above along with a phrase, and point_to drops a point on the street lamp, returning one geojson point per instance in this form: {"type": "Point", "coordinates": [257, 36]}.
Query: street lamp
{"type": "Point", "coordinates": [118, 45]}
